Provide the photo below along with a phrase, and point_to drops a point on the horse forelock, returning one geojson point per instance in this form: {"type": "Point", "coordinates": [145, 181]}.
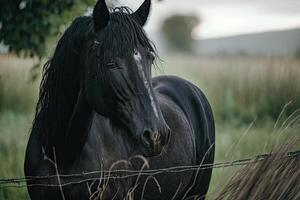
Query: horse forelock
{"type": "Point", "coordinates": [123, 33]}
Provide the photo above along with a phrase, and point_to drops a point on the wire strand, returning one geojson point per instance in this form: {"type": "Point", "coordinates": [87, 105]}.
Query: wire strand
{"type": "Point", "coordinates": [115, 174]}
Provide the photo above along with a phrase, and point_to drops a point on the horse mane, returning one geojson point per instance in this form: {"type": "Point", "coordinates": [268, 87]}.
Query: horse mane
{"type": "Point", "coordinates": [60, 83]}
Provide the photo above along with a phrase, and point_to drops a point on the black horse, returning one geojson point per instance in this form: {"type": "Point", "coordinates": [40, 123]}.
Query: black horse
{"type": "Point", "coordinates": [99, 108]}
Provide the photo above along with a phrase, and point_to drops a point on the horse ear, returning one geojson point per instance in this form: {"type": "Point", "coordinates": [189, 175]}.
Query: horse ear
{"type": "Point", "coordinates": [142, 13]}
{"type": "Point", "coordinates": [100, 15]}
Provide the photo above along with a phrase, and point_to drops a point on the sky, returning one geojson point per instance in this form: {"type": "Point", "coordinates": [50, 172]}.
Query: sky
{"type": "Point", "coordinates": [221, 18]}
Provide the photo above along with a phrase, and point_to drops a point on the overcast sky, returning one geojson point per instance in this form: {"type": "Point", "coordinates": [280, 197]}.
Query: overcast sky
{"type": "Point", "coordinates": [226, 17]}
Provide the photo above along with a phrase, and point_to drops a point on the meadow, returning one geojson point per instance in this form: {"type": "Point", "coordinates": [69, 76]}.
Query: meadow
{"type": "Point", "coordinates": [255, 102]}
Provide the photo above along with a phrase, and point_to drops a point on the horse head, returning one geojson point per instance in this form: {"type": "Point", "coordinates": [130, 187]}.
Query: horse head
{"type": "Point", "coordinates": [117, 76]}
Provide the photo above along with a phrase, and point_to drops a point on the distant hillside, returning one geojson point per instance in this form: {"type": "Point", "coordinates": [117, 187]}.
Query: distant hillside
{"type": "Point", "coordinates": [268, 43]}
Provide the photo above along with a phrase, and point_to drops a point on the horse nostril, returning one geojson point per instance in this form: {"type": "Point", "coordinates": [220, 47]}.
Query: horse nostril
{"type": "Point", "coordinates": [146, 138]}
{"type": "Point", "coordinates": [150, 138]}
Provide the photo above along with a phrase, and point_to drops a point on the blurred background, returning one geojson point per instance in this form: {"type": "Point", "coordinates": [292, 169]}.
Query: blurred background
{"type": "Point", "coordinates": [244, 55]}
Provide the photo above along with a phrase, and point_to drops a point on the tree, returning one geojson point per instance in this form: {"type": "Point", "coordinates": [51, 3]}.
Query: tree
{"type": "Point", "coordinates": [26, 25]}
{"type": "Point", "coordinates": [177, 30]}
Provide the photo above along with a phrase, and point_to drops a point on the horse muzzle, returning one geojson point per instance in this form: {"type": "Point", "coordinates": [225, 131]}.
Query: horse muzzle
{"type": "Point", "coordinates": [153, 142]}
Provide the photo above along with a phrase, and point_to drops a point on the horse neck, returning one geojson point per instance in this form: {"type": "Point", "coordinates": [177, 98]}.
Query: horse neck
{"type": "Point", "coordinates": [77, 129]}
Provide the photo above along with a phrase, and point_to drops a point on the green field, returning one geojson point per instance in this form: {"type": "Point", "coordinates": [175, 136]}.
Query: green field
{"type": "Point", "coordinates": [255, 102]}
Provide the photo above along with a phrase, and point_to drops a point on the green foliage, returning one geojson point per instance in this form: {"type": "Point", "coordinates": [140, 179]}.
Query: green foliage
{"type": "Point", "coordinates": [177, 31]}
{"type": "Point", "coordinates": [26, 25]}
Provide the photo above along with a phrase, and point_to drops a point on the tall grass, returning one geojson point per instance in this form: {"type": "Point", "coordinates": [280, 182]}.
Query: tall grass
{"type": "Point", "coordinates": [18, 92]}
{"type": "Point", "coordinates": [242, 89]}
{"type": "Point", "coordinates": [14, 130]}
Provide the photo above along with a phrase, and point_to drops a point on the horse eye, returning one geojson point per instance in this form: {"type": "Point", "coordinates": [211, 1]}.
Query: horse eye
{"type": "Point", "coordinates": [152, 55]}
{"type": "Point", "coordinates": [113, 65]}
{"type": "Point", "coordinates": [136, 53]}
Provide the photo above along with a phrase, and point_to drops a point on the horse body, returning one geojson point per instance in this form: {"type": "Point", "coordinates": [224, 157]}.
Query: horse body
{"type": "Point", "coordinates": [183, 109]}
{"type": "Point", "coordinates": [166, 119]}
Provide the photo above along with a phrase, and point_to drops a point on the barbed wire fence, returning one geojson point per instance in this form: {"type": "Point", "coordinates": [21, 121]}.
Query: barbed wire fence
{"type": "Point", "coordinates": [125, 173]}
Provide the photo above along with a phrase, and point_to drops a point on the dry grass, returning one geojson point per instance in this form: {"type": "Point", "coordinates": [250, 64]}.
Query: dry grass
{"type": "Point", "coordinates": [277, 177]}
